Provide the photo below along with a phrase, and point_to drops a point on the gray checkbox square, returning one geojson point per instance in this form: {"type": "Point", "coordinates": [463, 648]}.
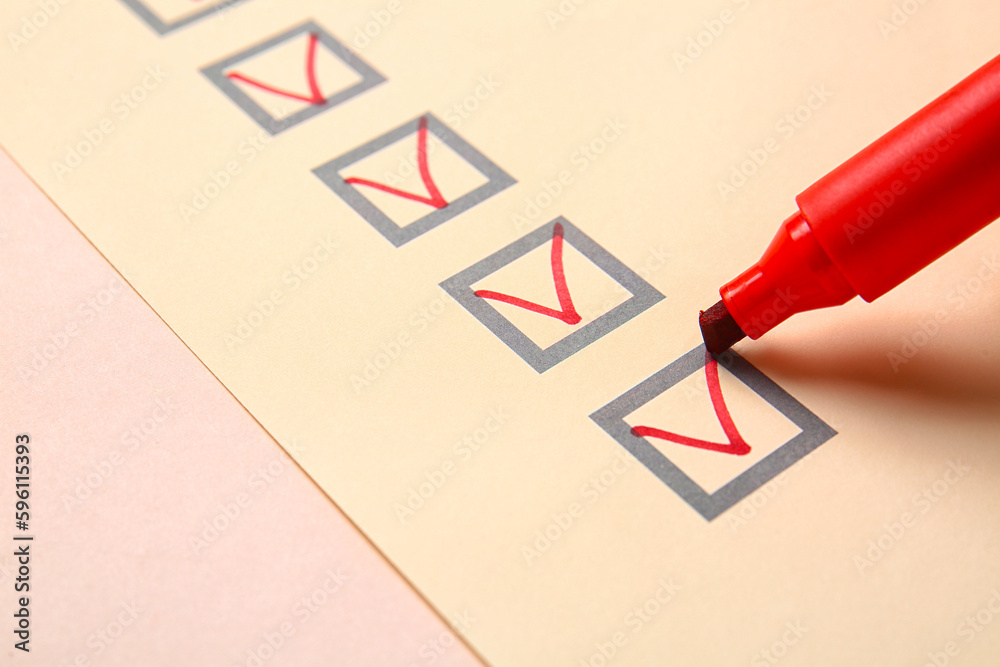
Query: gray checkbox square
{"type": "Point", "coordinates": [162, 27]}
{"type": "Point", "coordinates": [814, 431]}
{"type": "Point", "coordinates": [643, 296]}
{"type": "Point", "coordinates": [217, 74]}
{"type": "Point", "coordinates": [497, 180]}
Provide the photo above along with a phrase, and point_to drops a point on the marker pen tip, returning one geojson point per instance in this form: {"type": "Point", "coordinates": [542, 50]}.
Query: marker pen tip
{"type": "Point", "coordinates": [719, 329]}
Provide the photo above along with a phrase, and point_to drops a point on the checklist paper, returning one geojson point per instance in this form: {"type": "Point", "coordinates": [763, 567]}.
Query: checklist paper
{"type": "Point", "coordinates": [456, 253]}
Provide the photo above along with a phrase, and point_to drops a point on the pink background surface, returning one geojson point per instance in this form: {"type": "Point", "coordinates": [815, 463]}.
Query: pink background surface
{"type": "Point", "coordinates": [170, 528]}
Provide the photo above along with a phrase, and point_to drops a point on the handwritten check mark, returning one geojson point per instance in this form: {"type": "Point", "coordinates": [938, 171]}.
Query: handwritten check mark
{"type": "Point", "coordinates": [735, 444]}
{"type": "Point", "coordinates": [433, 197]}
{"type": "Point", "coordinates": [567, 312]}
{"type": "Point", "coordinates": [315, 95]}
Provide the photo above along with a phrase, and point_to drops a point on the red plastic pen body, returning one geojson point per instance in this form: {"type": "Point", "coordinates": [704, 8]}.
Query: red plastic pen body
{"type": "Point", "coordinates": [892, 209]}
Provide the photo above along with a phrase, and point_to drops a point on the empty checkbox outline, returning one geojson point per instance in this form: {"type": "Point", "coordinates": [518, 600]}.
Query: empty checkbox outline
{"type": "Point", "coordinates": [814, 431]}
{"type": "Point", "coordinates": [330, 174]}
{"type": "Point", "coordinates": [152, 19]}
{"type": "Point", "coordinates": [216, 73]}
{"type": "Point", "coordinates": [644, 296]}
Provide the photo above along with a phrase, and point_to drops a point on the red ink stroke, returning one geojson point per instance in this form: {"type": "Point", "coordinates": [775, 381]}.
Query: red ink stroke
{"type": "Point", "coordinates": [315, 97]}
{"type": "Point", "coordinates": [567, 312]}
{"type": "Point", "coordinates": [736, 445]}
{"type": "Point", "coordinates": [434, 199]}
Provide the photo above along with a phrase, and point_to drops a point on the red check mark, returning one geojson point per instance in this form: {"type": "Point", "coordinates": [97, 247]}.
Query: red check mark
{"type": "Point", "coordinates": [567, 312]}
{"type": "Point", "coordinates": [434, 197]}
{"type": "Point", "coordinates": [315, 96]}
{"type": "Point", "coordinates": [736, 445]}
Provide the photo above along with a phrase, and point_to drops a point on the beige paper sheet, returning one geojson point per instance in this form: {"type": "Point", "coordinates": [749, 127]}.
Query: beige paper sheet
{"type": "Point", "coordinates": [673, 136]}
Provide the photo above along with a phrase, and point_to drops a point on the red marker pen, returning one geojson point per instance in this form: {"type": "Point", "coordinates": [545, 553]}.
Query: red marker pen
{"type": "Point", "coordinates": [871, 223]}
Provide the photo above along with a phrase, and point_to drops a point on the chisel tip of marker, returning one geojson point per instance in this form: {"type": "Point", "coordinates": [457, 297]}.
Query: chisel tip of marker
{"type": "Point", "coordinates": [719, 329]}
